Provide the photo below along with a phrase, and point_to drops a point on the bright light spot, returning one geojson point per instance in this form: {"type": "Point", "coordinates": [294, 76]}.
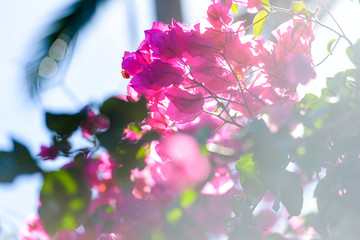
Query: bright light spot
{"type": "Point", "coordinates": [48, 67]}
{"type": "Point", "coordinates": [58, 49]}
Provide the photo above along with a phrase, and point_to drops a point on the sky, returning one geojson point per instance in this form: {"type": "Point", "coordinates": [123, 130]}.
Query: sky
{"type": "Point", "coordinates": [94, 74]}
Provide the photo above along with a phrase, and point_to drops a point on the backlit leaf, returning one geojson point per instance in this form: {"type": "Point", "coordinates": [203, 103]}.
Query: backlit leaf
{"type": "Point", "coordinates": [329, 46]}
{"type": "Point", "coordinates": [64, 197]}
{"type": "Point", "coordinates": [235, 8]}
{"type": "Point", "coordinates": [266, 4]}
{"type": "Point", "coordinates": [259, 22]}
{"type": "Point", "coordinates": [300, 8]}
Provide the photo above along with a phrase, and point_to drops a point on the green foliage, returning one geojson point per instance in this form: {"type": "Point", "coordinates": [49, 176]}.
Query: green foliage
{"type": "Point", "coordinates": [329, 46]}
{"type": "Point", "coordinates": [64, 197]}
{"type": "Point", "coordinates": [120, 114]}
{"type": "Point", "coordinates": [259, 21]}
{"type": "Point", "coordinates": [131, 155]}
{"type": "Point", "coordinates": [353, 53]}
{"type": "Point", "coordinates": [16, 162]}
{"type": "Point", "coordinates": [64, 124]}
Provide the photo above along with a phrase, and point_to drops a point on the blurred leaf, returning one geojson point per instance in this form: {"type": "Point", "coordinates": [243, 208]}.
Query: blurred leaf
{"type": "Point", "coordinates": [120, 114]}
{"type": "Point", "coordinates": [235, 8]}
{"type": "Point", "coordinates": [15, 163]}
{"type": "Point", "coordinates": [353, 53]}
{"type": "Point", "coordinates": [57, 45]}
{"type": "Point", "coordinates": [300, 8]}
{"type": "Point", "coordinates": [247, 168]}
{"type": "Point", "coordinates": [174, 215]}
{"type": "Point", "coordinates": [239, 205]}
{"type": "Point", "coordinates": [131, 155]}
{"type": "Point", "coordinates": [291, 192]}
{"type": "Point", "coordinates": [335, 83]}
{"type": "Point", "coordinates": [266, 4]}
{"type": "Point", "coordinates": [64, 124]}
{"type": "Point", "coordinates": [187, 198]}
{"type": "Point", "coordinates": [64, 197]}
{"type": "Point", "coordinates": [259, 21]}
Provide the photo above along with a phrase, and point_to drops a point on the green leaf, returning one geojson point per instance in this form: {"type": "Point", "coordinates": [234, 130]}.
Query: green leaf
{"type": "Point", "coordinates": [120, 114]}
{"type": "Point", "coordinates": [246, 167]}
{"type": "Point", "coordinates": [131, 155]}
{"type": "Point", "coordinates": [289, 184]}
{"type": "Point", "coordinates": [187, 198]}
{"type": "Point", "coordinates": [308, 102]}
{"type": "Point", "coordinates": [266, 4]}
{"type": "Point", "coordinates": [334, 84]}
{"type": "Point", "coordinates": [296, 27]}
{"type": "Point", "coordinates": [300, 8]}
{"type": "Point", "coordinates": [353, 53]}
{"type": "Point", "coordinates": [174, 215]}
{"type": "Point", "coordinates": [235, 8]}
{"type": "Point", "coordinates": [259, 22]}
{"type": "Point", "coordinates": [15, 163]}
{"type": "Point", "coordinates": [329, 46]}
{"type": "Point", "coordinates": [64, 124]}
{"type": "Point", "coordinates": [64, 197]}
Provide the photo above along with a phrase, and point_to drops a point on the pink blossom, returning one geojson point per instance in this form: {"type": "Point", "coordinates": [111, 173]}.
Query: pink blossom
{"type": "Point", "coordinates": [34, 229]}
{"type": "Point", "coordinates": [92, 123]}
{"type": "Point", "coordinates": [298, 41]}
{"type": "Point", "coordinates": [165, 74]}
{"type": "Point", "coordinates": [299, 69]}
{"type": "Point", "coordinates": [180, 164]}
{"type": "Point", "coordinates": [99, 171]}
{"type": "Point", "coordinates": [49, 153]}
{"type": "Point", "coordinates": [183, 106]}
{"type": "Point", "coordinates": [220, 183]}
{"type": "Point", "coordinates": [135, 62]}
{"type": "Point", "coordinates": [218, 15]}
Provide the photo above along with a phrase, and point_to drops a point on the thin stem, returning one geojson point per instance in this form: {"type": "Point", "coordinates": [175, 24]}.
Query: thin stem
{"type": "Point", "coordinates": [328, 55]}
{"type": "Point", "coordinates": [333, 18]}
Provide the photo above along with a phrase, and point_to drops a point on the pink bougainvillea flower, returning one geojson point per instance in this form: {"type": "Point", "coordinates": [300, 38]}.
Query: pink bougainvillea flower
{"type": "Point", "coordinates": [165, 74]}
{"type": "Point", "coordinates": [219, 15]}
{"type": "Point", "coordinates": [93, 123]}
{"type": "Point", "coordinates": [34, 229]}
{"type": "Point", "coordinates": [220, 183]}
{"type": "Point", "coordinates": [278, 115]}
{"type": "Point", "coordinates": [295, 40]}
{"type": "Point", "coordinates": [254, 6]}
{"type": "Point", "coordinates": [49, 153]}
{"type": "Point", "coordinates": [163, 43]}
{"type": "Point", "coordinates": [178, 164]}
{"type": "Point", "coordinates": [143, 84]}
{"type": "Point", "coordinates": [183, 106]}
{"type": "Point", "coordinates": [299, 69]}
{"type": "Point", "coordinates": [99, 172]}
{"type": "Point", "coordinates": [135, 62]}
{"type": "Point", "coordinates": [109, 236]}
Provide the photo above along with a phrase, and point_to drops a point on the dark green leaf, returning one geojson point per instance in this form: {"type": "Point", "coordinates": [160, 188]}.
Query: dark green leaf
{"type": "Point", "coordinates": [291, 192]}
{"type": "Point", "coordinates": [334, 84]}
{"type": "Point", "coordinates": [64, 124]}
{"type": "Point", "coordinates": [64, 197]}
{"type": "Point", "coordinates": [131, 155]}
{"type": "Point", "coordinates": [353, 53]}
{"type": "Point", "coordinates": [15, 163]}
{"type": "Point", "coordinates": [120, 114]}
